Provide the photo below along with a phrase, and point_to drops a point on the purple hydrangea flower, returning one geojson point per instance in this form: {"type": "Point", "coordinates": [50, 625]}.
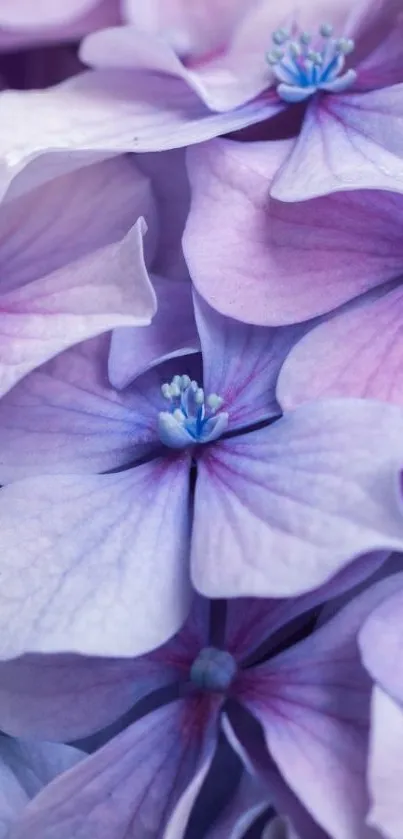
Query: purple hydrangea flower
{"type": "Point", "coordinates": [262, 507]}
{"type": "Point", "coordinates": [297, 715]}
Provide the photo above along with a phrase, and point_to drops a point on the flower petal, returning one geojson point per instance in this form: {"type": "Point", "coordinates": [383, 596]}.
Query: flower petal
{"type": "Point", "coordinates": [247, 804]}
{"type": "Point", "coordinates": [101, 113]}
{"type": "Point", "coordinates": [67, 697]}
{"type": "Point", "coordinates": [381, 641]}
{"type": "Point", "coordinates": [386, 813]}
{"type": "Point", "coordinates": [280, 263]}
{"type": "Point", "coordinates": [141, 784]}
{"type": "Point", "coordinates": [172, 334]}
{"type": "Point", "coordinates": [313, 703]}
{"type": "Point", "coordinates": [92, 295]}
{"type": "Point", "coordinates": [98, 563]}
{"type": "Point", "coordinates": [357, 353]}
{"type": "Point", "coordinates": [251, 623]}
{"type": "Point", "coordinates": [241, 363]}
{"type": "Point", "coordinates": [26, 767]}
{"type": "Point", "coordinates": [346, 136]}
{"type": "Point", "coordinates": [280, 510]}
{"type": "Point", "coordinates": [377, 30]}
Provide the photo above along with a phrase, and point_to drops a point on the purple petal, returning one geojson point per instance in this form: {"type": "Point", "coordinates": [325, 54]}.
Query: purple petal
{"type": "Point", "coordinates": [381, 642]}
{"type": "Point", "coordinates": [100, 113]}
{"type": "Point", "coordinates": [280, 263]}
{"type": "Point", "coordinates": [357, 353]}
{"type": "Point", "coordinates": [141, 785]}
{"type": "Point", "coordinates": [377, 29]}
{"type": "Point", "coordinates": [167, 173]}
{"type": "Point", "coordinates": [346, 136]}
{"type": "Point", "coordinates": [25, 768]}
{"type": "Point", "coordinates": [241, 363]}
{"type": "Point", "coordinates": [49, 12]}
{"type": "Point", "coordinates": [286, 507]}
{"type": "Point", "coordinates": [172, 334]}
{"type": "Point", "coordinates": [65, 417]}
{"type": "Point", "coordinates": [247, 804]}
{"type": "Point", "coordinates": [386, 753]}
{"type": "Point", "coordinates": [76, 549]}
{"type": "Point", "coordinates": [250, 623]}
{"type": "Point", "coordinates": [67, 697]}
{"type": "Point", "coordinates": [313, 704]}
{"type": "Point", "coordinates": [105, 289]}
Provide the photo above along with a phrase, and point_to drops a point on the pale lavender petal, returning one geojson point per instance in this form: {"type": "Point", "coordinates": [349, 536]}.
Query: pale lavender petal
{"type": "Point", "coordinates": [69, 217]}
{"type": "Point", "coordinates": [95, 565]}
{"type": "Point", "coordinates": [25, 768]}
{"type": "Point", "coordinates": [167, 173]}
{"type": "Point", "coordinates": [274, 263]}
{"type": "Point", "coordinates": [357, 353]}
{"type": "Point", "coordinates": [172, 333]}
{"type": "Point", "coordinates": [66, 417]}
{"type": "Point", "coordinates": [280, 510]}
{"type": "Point", "coordinates": [355, 140]}
{"type": "Point", "coordinates": [381, 643]}
{"type": "Point", "coordinates": [385, 764]}
{"type": "Point", "coordinates": [241, 363]}
{"type": "Point", "coordinates": [67, 697]}
{"type": "Point", "coordinates": [100, 113]}
{"type": "Point", "coordinates": [313, 703]}
{"type": "Point", "coordinates": [141, 785]}
{"type": "Point", "coordinates": [45, 13]}
{"type": "Point", "coordinates": [94, 294]}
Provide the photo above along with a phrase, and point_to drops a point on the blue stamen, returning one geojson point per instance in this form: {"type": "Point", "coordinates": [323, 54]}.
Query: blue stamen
{"type": "Point", "coordinates": [192, 418]}
{"type": "Point", "coordinates": [302, 70]}
{"type": "Point", "coordinates": [213, 670]}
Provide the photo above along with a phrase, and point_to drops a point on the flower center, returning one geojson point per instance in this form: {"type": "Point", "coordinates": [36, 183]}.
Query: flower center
{"type": "Point", "coordinates": [192, 418]}
{"type": "Point", "coordinates": [302, 67]}
{"type": "Point", "coordinates": [213, 670]}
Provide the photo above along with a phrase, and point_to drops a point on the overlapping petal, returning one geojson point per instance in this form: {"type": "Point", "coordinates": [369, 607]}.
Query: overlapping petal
{"type": "Point", "coordinates": [313, 703]}
{"type": "Point", "coordinates": [141, 784]}
{"type": "Point", "coordinates": [25, 768]}
{"type": "Point", "coordinates": [385, 765]}
{"type": "Point", "coordinates": [280, 510]}
{"type": "Point", "coordinates": [282, 263]}
{"type": "Point", "coordinates": [357, 353]}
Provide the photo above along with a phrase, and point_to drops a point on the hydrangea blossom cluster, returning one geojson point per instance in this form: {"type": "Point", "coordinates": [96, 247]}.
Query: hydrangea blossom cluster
{"type": "Point", "coordinates": [201, 419]}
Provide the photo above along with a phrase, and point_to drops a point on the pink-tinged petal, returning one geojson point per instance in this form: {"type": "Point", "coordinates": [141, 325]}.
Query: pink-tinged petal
{"type": "Point", "coordinates": [385, 765]}
{"type": "Point", "coordinates": [187, 27]}
{"type": "Point", "coordinates": [251, 624]}
{"type": "Point", "coordinates": [179, 652]}
{"type": "Point", "coordinates": [46, 13]}
{"type": "Point", "coordinates": [279, 263]}
{"type": "Point", "coordinates": [100, 113]}
{"type": "Point", "coordinates": [248, 803]}
{"type": "Point", "coordinates": [95, 565]}
{"type": "Point", "coordinates": [313, 703]}
{"type": "Point", "coordinates": [67, 697]}
{"type": "Point", "coordinates": [279, 511]}
{"type": "Point", "coordinates": [241, 363]}
{"type": "Point", "coordinates": [103, 290]}
{"type": "Point", "coordinates": [223, 83]}
{"type": "Point", "coordinates": [172, 333]}
{"type": "Point", "coordinates": [141, 785]}
{"type": "Point", "coordinates": [66, 417]}
{"type": "Point", "coordinates": [70, 217]}
{"type": "Point", "coordinates": [357, 353]}
{"type": "Point", "coordinates": [346, 135]}
{"type": "Point", "coordinates": [25, 768]}
{"type": "Point", "coordinates": [381, 643]}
